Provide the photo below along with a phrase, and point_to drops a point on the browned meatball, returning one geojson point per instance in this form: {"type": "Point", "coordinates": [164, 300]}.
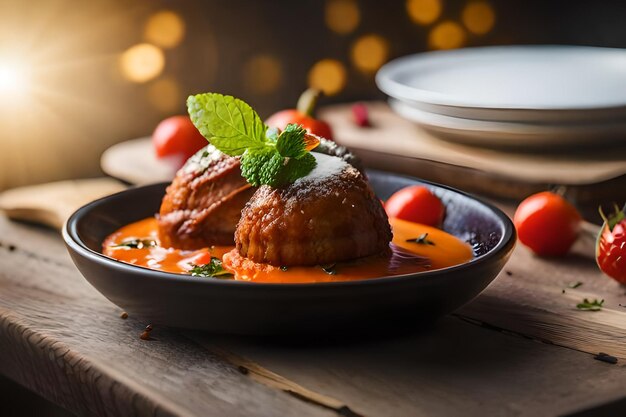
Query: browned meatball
{"type": "Point", "coordinates": [329, 216]}
{"type": "Point", "coordinates": [203, 204]}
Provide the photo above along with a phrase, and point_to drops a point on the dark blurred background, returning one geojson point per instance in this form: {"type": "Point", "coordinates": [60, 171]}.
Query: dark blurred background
{"type": "Point", "coordinates": [78, 76]}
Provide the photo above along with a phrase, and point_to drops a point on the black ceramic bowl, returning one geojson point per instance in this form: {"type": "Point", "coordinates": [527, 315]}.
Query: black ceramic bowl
{"type": "Point", "coordinates": [227, 306]}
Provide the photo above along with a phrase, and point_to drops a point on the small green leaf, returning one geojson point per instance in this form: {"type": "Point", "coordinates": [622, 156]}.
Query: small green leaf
{"type": "Point", "coordinates": [230, 124]}
{"type": "Point", "coordinates": [137, 244]}
{"type": "Point", "coordinates": [213, 269]}
{"type": "Point", "coordinates": [297, 168]}
{"type": "Point", "coordinates": [587, 305]}
{"type": "Point", "coordinates": [291, 142]}
{"type": "Point", "coordinates": [422, 240]}
{"type": "Point", "coordinates": [262, 166]}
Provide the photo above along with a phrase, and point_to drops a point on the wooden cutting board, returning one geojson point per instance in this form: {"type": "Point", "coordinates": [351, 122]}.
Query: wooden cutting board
{"type": "Point", "coordinates": [397, 144]}
{"type": "Point", "coordinates": [53, 203]}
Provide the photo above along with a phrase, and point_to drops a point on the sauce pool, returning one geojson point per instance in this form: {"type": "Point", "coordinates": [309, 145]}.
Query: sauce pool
{"type": "Point", "coordinates": [415, 248]}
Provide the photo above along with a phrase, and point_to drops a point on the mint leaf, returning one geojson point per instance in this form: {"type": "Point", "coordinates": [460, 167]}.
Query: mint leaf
{"type": "Point", "coordinates": [262, 166]}
{"type": "Point", "coordinates": [231, 125]}
{"type": "Point", "coordinates": [291, 143]}
{"type": "Point", "coordinates": [297, 168]}
{"type": "Point", "coordinates": [235, 129]}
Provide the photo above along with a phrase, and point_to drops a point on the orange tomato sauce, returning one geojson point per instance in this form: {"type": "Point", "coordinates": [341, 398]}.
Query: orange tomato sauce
{"type": "Point", "coordinates": [436, 250]}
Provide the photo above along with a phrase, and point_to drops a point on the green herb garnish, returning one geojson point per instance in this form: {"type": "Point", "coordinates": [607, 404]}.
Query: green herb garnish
{"type": "Point", "coordinates": [422, 240]}
{"type": "Point", "coordinates": [587, 305]}
{"type": "Point", "coordinates": [136, 244]}
{"type": "Point", "coordinates": [213, 269]}
{"type": "Point", "coordinates": [233, 127]}
{"type": "Point", "coordinates": [283, 268]}
{"type": "Point", "coordinates": [575, 284]}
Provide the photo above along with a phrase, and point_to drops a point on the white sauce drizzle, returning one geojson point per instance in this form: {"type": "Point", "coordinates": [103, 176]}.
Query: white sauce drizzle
{"type": "Point", "coordinates": [327, 166]}
{"type": "Point", "coordinates": [202, 159]}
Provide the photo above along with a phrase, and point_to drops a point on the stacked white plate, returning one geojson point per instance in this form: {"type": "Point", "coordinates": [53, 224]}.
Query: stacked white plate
{"type": "Point", "coordinates": [533, 97]}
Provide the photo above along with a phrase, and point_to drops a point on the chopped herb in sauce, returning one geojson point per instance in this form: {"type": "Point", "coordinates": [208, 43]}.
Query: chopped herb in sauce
{"type": "Point", "coordinates": [590, 305]}
{"type": "Point", "coordinates": [422, 240]}
{"type": "Point", "coordinates": [213, 269]}
{"type": "Point", "coordinates": [136, 244]}
{"type": "Point", "coordinates": [283, 268]}
{"type": "Point", "coordinates": [330, 269]}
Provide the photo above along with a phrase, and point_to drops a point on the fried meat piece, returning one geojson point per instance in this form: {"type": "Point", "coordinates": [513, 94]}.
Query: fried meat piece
{"type": "Point", "coordinates": [330, 215]}
{"type": "Point", "coordinates": [203, 204]}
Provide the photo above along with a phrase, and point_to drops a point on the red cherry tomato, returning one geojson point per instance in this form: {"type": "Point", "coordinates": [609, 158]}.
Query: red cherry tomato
{"type": "Point", "coordinates": [177, 138]}
{"type": "Point", "coordinates": [416, 204]}
{"type": "Point", "coordinates": [314, 126]}
{"type": "Point", "coordinates": [547, 223]}
{"type": "Point", "coordinates": [611, 246]}
{"type": "Point", "coordinates": [302, 115]}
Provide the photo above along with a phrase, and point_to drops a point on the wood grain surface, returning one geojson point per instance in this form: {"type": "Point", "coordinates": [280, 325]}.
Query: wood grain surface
{"type": "Point", "coordinates": [521, 348]}
{"type": "Point", "coordinates": [395, 144]}
{"type": "Point", "coordinates": [62, 339]}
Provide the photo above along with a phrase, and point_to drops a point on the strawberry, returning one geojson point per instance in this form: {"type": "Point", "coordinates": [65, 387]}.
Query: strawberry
{"type": "Point", "coordinates": [611, 245]}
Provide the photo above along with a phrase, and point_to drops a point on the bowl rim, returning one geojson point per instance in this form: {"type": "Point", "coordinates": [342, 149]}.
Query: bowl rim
{"type": "Point", "coordinates": [73, 242]}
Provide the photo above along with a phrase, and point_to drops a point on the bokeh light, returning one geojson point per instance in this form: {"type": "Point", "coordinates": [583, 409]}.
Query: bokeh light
{"type": "Point", "coordinates": [328, 75]}
{"type": "Point", "coordinates": [164, 95]}
{"type": "Point", "coordinates": [447, 35]}
{"type": "Point", "coordinates": [142, 62]}
{"type": "Point", "coordinates": [423, 12]}
{"type": "Point", "coordinates": [165, 29]}
{"type": "Point", "coordinates": [262, 74]}
{"type": "Point", "coordinates": [342, 16]}
{"type": "Point", "coordinates": [478, 17]}
{"type": "Point", "coordinates": [369, 52]}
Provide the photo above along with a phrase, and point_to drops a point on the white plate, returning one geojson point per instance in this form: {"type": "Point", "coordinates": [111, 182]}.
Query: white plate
{"type": "Point", "coordinates": [532, 136]}
{"type": "Point", "coordinates": [135, 162]}
{"type": "Point", "coordinates": [516, 83]}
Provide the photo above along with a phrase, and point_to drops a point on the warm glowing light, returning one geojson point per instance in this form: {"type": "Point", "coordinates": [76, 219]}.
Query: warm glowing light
{"type": "Point", "coordinates": [342, 16]}
{"type": "Point", "coordinates": [328, 75]}
{"type": "Point", "coordinates": [262, 74]}
{"type": "Point", "coordinates": [446, 35]}
{"type": "Point", "coordinates": [164, 94]}
{"type": "Point", "coordinates": [12, 79]}
{"type": "Point", "coordinates": [165, 29]}
{"type": "Point", "coordinates": [142, 62]}
{"type": "Point", "coordinates": [478, 17]}
{"type": "Point", "coordinates": [369, 52]}
{"type": "Point", "coordinates": [14, 82]}
{"type": "Point", "coordinates": [423, 12]}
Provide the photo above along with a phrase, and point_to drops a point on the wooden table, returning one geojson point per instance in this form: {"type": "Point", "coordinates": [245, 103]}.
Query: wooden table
{"type": "Point", "coordinates": [520, 349]}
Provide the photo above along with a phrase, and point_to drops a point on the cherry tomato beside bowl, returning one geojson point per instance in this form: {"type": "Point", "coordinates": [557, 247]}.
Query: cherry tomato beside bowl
{"type": "Point", "coordinates": [177, 139]}
{"type": "Point", "coordinates": [302, 115]}
{"type": "Point", "coordinates": [611, 246]}
{"type": "Point", "coordinates": [547, 223]}
{"type": "Point", "coordinates": [416, 204]}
